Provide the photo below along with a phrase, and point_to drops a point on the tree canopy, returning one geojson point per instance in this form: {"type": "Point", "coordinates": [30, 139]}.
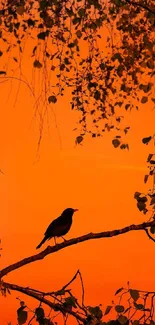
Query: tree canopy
{"type": "Point", "coordinates": [102, 51]}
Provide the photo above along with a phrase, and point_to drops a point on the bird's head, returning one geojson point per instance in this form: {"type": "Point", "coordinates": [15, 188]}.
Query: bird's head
{"type": "Point", "coordinates": [69, 212]}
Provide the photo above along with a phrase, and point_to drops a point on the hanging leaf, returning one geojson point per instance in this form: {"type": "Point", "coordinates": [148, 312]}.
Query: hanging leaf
{"type": "Point", "coordinates": [43, 35]}
{"type": "Point", "coordinates": [134, 294]}
{"type": "Point", "coordinates": [96, 311]}
{"type": "Point", "coordinates": [152, 230]}
{"type": "Point", "coordinates": [123, 320]}
{"type": "Point", "coordinates": [70, 301]}
{"type": "Point", "coordinates": [37, 64]}
{"type": "Point", "coordinates": [22, 314]}
{"type": "Point", "coordinates": [52, 99]}
{"type": "Point", "coordinates": [20, 10]}
{"type": "Point", "coordinates": [141, 205]}
{"type": "Point", "coordinates": [115, 143]}
{"type": "Point", "coordinates": [60, 293]}
{"type": "Point", "coordinates": [152, 200]}
{"type": "Point", "coordinates": [136, 195]}
{"type": "Point", "coordinates": [107, 311]}
{"type": "Point", "coordinates": [119, 308]}
{"type": "Point", "coordinates": [146, 140]}
{"type": "Point", "coordinates": [79, 139]}
{"type": "Point", "coordinates": [144, 99]}
{"type": "Point", "coordinates": [135, 322]}
{"type": "Point", "coordinates": [149, 157]}
{"type": "Point", "coordinates": [138, 306]}
{"type": "Point", "coordinates": [118, 291]}
{"type": "Point", "coordinates": [146, 178]}
{"type": "Point", "coordinates": [39, 312]}
{"type": "Point", "coordinates": [150, 64]}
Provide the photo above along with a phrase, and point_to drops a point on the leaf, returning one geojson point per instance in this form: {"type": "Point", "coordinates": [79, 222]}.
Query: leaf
{"type": "Point", "coordinates": [135, 322]}
{"type": "Point", "coordinates": [141, 205]}
{"type": "Point", "coordinates": [123, 319]}
{"type": "Point", "coordinates": [146, 140]}
{"type": "Point", "coordinates": [66, 61]}
{"type": "Point", "coordinates": [127, 106]}
{"type": "Point", "coordinates": [97, 95]}
{"type": "Point", "coordinates": [150, 64]}
{"type": "Point", "coordinates": [149, 157]}
{"type": "Point", "coordinates": [71, 45]}
{"type": "Point", "coordinates": [20, 10]}
{"type": "Point", "coordinates": [22, 315]}
{"type": "Point", "coordinates": [60, 292]}
{"type": "Point", "coordinates": [124, 146]}
{"type": "Point", "coordinates": [52, 99]}
{"type": "Point", "coordinates": [96, 311]}
{"type": "Point", "coordinates": [78, 34]}
{"type": "Point", "coordinates": [138, 306]}
{"type": "Point", "coordinates": [79, 139]}
{"type": "Point", "coordinates": [115, 143]}
{"type": "Point", "coordinates": [70, 301]}
{"type": "Point", "coordinates": [107, 311]}
{"type": "Point", "coordinates": [102, 66]}
{"type": "Point", "coordinates": [81, 12]}
{"type": "Point", "coordinates": [136, 195]}
{"type": "Point", "coordinates": [39, 312]}
{"type": "Point", "coordinates": [152, 200]}
{"type": "Point", "coordinates": [37, 64]}
{"type": "Point", "coordinates": [118, 291]}
{"type": "Point", "coordinates": [146, 178]}
{"type": "Point", "coordinates": [43, 35]}
{"type": "Point", "coordinates": [119, 308]}
{"type": "Point", "coordinates": [134, 294]}
{"type": "Point", "coordinates": [152, 230]}
{"type": "Point", "coordinates": [144, 99]}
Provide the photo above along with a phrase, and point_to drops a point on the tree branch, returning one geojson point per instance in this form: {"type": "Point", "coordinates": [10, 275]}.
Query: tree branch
{"type": "Point", "coordinates": [40, 297]}
{"type": "Point", "coordinates": [73, 241]}
{"type": "Point", "coordinates": [137, 4]}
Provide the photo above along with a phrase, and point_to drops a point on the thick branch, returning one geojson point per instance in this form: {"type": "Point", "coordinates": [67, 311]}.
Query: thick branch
{"type": "Point", "coordinates": [53, 249]}
{"type": "Point", "coordinates": [40, 297]}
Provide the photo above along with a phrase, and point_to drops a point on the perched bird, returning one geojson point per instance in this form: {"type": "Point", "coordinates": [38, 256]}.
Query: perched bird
{"type": "Point", "coordinates": [59, 227]}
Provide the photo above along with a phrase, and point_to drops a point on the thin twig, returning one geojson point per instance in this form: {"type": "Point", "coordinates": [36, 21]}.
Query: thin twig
{"type": "Point", "coordinates": [147, 232]}
{"type": "Point", "coordinates": [40, 298]}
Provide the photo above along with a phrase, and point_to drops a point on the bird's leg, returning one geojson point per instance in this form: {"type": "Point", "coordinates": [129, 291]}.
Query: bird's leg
{"type": "Point", "coordinates": [55, 240]}
{"type": "Point", "coordinates": [63, 238]}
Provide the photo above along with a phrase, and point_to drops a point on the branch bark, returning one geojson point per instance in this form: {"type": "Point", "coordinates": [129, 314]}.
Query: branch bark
{"type": "Point", "coordinates": [73, 241]}
{"type": "Point", "coordinates": [40, 297]}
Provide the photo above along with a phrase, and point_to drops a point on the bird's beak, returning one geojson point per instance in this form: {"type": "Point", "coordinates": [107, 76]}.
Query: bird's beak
{"type": "Point", "coordinates": [76, 210]}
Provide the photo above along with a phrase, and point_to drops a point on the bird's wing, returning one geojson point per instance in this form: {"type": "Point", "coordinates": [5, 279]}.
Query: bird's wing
{"type": "Point", "coordinates": [52, 226]}
{"type": "Point", "coordinates": [57, 226]}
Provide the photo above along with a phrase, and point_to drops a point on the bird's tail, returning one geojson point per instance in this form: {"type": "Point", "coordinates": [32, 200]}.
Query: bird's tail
{"type": "Point", "coordinates": [42, 242]}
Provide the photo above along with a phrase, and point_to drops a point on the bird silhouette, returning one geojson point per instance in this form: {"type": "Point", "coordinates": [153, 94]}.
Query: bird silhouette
{"type": "Point", "coordinates": [59, 227]}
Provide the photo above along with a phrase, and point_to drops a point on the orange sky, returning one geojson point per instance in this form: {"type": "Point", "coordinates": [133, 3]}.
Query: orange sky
{"type": "Point", "coordinates": [94, 177]}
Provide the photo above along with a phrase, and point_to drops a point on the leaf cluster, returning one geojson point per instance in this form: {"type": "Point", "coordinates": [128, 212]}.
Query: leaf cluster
{"type": "Point", "coordinates": [102, 79]}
